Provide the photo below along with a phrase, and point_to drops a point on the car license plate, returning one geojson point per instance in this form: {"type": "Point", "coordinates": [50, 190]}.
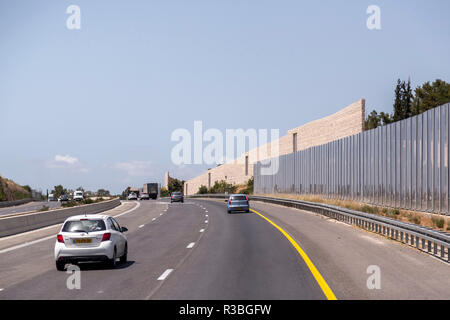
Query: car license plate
{"type": "Point", "coordinates": [239, 208]}
{"type": "Point", "coordinates": [87, 240]}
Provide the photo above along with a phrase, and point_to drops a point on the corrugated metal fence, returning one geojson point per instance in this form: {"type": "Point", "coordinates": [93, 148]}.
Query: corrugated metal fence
{"type": "Point", "coordinates": [401, 165]}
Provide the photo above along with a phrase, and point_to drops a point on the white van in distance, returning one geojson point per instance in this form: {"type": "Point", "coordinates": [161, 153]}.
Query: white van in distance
{"type": "Point", "coordinates": [78, 196]}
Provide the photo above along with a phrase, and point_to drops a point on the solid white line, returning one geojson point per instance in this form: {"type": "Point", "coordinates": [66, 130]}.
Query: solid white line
{"type": "Point", "coordinates": [165, 274]}
{"type": "Point", "coordinates": [190, 245]}
{"type": "Point", "coordinates": [201, 230]}
{"type": "Point", "coordinates": [26, 244]}
{"type": "Point", "coordinates": [128, 211]}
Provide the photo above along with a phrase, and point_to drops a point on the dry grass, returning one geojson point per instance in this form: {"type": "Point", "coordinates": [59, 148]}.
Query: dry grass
{"type": "Point", "coordinates": [434, 221]}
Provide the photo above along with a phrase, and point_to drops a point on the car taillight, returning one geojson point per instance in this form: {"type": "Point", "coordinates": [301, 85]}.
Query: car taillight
{"type": "Point", "coordinates": [246, 199]}
{"type": "Point", "coordinates": [60, 238]}
{"type": "Point", "coordinates": [106, 236]}
{"type": "Point", "coordinates": [229, 201]}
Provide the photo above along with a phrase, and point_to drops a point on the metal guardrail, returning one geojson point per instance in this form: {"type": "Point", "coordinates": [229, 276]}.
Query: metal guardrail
{"type": "Point", "coordinates": [433, 242]}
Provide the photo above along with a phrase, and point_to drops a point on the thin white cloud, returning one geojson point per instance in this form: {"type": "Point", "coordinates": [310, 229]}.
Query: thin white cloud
{"type": "Point", "coordinates": [136, 168]}
{"type": "Point", "coordinates": [65, 159]}
{"type": "Point", "coordinates": [66, 162]}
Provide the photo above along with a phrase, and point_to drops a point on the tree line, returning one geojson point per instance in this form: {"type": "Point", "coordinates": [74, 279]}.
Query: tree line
{"type": "Point", "coordinates": [408, 103]}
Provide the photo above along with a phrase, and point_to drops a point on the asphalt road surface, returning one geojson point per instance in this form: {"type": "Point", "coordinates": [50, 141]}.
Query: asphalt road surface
{"type": "Point", "coordinates": [195, 250]}
{"type": "Point", "coordinates": [30, 206]}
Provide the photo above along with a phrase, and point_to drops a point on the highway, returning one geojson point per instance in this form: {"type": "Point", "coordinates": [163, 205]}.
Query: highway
{"type": "Point", "coordinates": [31, 206]}
{"type": "Point", "coordinates": [195, 250]}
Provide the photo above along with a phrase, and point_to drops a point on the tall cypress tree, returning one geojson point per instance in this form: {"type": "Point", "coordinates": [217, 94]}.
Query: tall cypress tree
{"type": "Point", "coordinates": [398, 101]}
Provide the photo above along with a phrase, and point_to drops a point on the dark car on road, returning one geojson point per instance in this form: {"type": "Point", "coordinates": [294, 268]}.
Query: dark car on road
{"type": "Point", "coordinates": [176, 197]}
{"type": "Point", "coordinates": [238, 202]}
{"type": "Point", "coordinates": [63, 198]}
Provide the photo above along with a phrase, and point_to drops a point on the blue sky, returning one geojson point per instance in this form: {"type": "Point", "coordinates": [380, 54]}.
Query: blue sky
{"type": "Point", "coordinates": [96, 107]}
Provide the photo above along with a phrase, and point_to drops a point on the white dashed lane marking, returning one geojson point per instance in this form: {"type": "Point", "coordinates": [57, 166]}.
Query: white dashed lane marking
{"type": "Point", "coordinates": [165, 274]}
{"type": "Point", "coordinates": [190, 245]}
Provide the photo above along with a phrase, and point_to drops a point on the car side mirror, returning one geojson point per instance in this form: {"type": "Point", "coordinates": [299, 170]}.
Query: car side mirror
{"type": "Point", "coordinates": [124, 229]}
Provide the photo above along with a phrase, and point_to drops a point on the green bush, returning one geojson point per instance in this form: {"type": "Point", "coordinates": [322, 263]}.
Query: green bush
{"type": "Point", "coordinates": [2, 194]}
{"type": "Point", "coordinates": [69, 204]}
{"type": "Point", "coordinates": [202, 190]}
{"type": "Point", "coordinates": [222, 187]}
{"type": "Point", "coordinates": [163, 192]}
{"type": "Point", "coordinates": [369, 209]}
{"type": "Point", "coordinates": [249, 188]}
{"type": "Point", "coordinates": [414, 218]}
{"type": "Point", "coordinates": [438, 222]}
{"type": "Point", "coordinates": [87, 201]}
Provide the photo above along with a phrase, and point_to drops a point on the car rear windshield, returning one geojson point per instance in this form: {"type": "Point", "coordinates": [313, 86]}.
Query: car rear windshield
{"type": "Point", "coordinates": [238, 198]}
{"type": "Point", "coordinates": [84, 226]}
{"type": "Point", "coordinates": [177, 193]}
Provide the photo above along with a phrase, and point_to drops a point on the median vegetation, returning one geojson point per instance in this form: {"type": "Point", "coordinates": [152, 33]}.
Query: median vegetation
{"type": "Point", "coordinates": [73, 203]}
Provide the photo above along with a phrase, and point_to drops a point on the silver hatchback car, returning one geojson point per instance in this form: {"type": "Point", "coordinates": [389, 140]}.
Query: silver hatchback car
{"type": "Point", "coordinates": [238, 202]}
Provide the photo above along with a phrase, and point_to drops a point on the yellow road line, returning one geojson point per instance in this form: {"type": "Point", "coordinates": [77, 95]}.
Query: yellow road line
{"type": "Point", "coordinates": [320, 280]}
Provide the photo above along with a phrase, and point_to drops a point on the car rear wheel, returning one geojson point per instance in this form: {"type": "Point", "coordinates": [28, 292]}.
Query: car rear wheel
{"type": "Point", "coordinates": [60, 266]}
{"type": "Point", "coordinates": [124, 257]}
{"type": "Point", "coordinates": [112, 262]}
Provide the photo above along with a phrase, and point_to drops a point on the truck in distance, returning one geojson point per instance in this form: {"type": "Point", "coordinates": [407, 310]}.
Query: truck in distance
{"type": "Point", "coordinates": [152, 189]}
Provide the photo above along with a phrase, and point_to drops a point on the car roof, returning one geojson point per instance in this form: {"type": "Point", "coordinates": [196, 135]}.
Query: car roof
{"type": "Point", "coordinates": [238, 194]}
{"type": "Point", "coordinates": [87, 216]}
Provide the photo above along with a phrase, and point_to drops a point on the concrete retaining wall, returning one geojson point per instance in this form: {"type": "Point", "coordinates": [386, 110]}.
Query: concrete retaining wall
{"type": "Point", "coordinates": [4, 204]}
{"type": "Point", "coordinates": [346, 122]}
{"type": "Point", "coordinates": [27, 222]}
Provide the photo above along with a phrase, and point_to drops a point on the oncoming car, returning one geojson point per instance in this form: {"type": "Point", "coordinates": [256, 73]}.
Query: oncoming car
{"type": "Point", "coordinates": [132, 196]}
{"type": "Point", "coordinates": [90, 238]}
{"type": "Point", "coordinates": [144, 196]}
{"type": "Point", "coordinates": [238, 202]}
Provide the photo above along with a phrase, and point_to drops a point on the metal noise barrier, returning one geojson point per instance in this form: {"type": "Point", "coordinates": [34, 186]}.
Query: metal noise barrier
{"type": "Point", "coordinates": [433, 242]}
{"type": "Point", "coordinates": [402, 165]}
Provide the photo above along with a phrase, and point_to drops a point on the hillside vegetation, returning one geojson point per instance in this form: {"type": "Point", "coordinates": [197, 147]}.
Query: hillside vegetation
{"type": "Point", "coordinates": [10, 191]}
